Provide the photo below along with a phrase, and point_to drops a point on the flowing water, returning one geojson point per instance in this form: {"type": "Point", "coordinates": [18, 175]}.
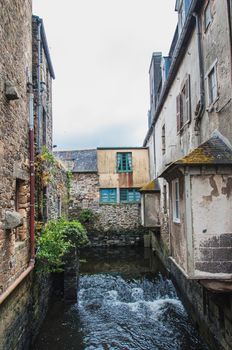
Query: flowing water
{"type": "Point", "coordinates": [126, 302]}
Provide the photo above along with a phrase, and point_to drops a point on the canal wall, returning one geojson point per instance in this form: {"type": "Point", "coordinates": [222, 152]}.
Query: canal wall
{"type": "Point", "coordinates": [23, 312]}
{"type": "Point", "coordinates": [211, 312]}
{"type": "Point", "coordinates": [115, 238]}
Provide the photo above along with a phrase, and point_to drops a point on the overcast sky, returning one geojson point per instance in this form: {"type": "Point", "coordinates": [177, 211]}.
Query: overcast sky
{"type": "Point", "coordinates": [101, 51]}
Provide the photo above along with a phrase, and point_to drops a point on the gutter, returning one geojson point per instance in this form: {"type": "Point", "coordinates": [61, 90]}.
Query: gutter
{"type": "Point", "coordinates": [202, 86]}
{"type": "Point", "coordinates": [38, 84]}
{"type": "Point", "coordinates": [31, 264]}
{"type": "Point", "coordinates": [178, 55]}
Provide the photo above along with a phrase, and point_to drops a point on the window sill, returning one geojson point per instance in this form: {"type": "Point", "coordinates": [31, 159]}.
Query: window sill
{"type": "Point", "coordinates": [108, 203]}
{"type": "Point", "coordinates": [130, 202]}
{"type": "Point", "coordinates": [176, 221]}
{"type": "Point", "coordinates": [184, 127]}
{"type": "Point", "coordinates": [211, 107]}
{"type": "Point", "coordinates": [124, 171]}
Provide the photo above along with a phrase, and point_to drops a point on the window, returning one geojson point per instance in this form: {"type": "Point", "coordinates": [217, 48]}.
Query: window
{"type": "Point", "coordinates": [176, 200]}
{"type": "Point", "coordinates": [129, 195]}
{"type": "Point", "coordinates": [20, 199]}
{"type": "Point", "coordinates": [207, 16]}
{"type": "Point", "coordinates": [183, 105]}
{"type": "Point", "coordinates": [124, 162]}
{"type": "Point", "coordinates": [108, 195]}
{"type": "Point", "coordinates": [165, 198]}
{"type": "Point", "coordinates": [163, 140]}
{"type": "Point", "coordinates": [212, 85]}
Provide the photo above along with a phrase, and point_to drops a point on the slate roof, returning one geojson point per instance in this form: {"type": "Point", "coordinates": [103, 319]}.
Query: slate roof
{"type": "Point", "coordinates": [216, 150]}
{"type": "Point", "coordinates": [152, 186]}
{"type": "Point", "coordinates": [83, 161]}
{"type": "Point", "coordinates": [213, 151]}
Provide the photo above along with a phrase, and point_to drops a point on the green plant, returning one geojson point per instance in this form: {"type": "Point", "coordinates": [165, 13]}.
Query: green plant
{"type": "Point", "coordinates": [56, 239]}
{"type": "Point", "coordinates": [86, 216]}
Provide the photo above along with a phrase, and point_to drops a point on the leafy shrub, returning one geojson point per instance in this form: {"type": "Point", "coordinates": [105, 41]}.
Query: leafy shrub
{"type": "Point", "coordinates": [56, 239]}
{"type": "Point", "coordinates": [86, 216]}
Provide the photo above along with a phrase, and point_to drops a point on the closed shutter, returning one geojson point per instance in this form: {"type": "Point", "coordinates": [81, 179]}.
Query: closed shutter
{"type": "Point", "coordinates": [178, 126]}
{"type": "Point", "coordinates": [188, 99]}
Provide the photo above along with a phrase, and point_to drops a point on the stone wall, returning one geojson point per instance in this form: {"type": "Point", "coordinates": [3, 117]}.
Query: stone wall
{"type": "Point", "coordinates": [210, 312]}
{"type": "Point", "coordinates": [114, 224]}
{"type": "Point", "coordinates": [15, 60]}
{"type": "Point", "coordinates": [57, 193]}
{"type": "Point", "coordinates": [84, 191]}
{"type": "Point", "coordinates": [22, 314]}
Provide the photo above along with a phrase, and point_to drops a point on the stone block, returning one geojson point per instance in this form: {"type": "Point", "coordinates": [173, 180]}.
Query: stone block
{"type": "Point", "coordinates": [12, 220]}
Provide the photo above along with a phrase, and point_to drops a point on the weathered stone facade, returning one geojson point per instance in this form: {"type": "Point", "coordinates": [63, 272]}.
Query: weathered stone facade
{"type": "Point", "coordinates": [84, 192]}
{"type": "Point", "coordinates": [24, 294]}
{"type": "Point", "coordinates": [58, 193]}
{"type": "Point", "coordinates": [118, 222]}
{"type": "Point", "coordinates": [114, 224]}
{"type": "Point", "coordinates": [15, 53]}
{"type": "Point", "coordinates": [189, 140]}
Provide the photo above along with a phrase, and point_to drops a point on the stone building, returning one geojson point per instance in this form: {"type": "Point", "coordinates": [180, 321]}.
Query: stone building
{"type": "Point", "coordinates": [107, 181]}
{"type": "Point", "coordinates": [189, 139]}
{"type": "Point", "coordinates": [24, 127]}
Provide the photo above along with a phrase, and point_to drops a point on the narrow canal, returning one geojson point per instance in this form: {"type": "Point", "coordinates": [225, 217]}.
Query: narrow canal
{"type": "Point", "coordinates": [126, 302]}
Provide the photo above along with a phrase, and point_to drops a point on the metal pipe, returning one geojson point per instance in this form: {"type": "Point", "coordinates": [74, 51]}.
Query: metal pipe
{"type": "Point", "coordinates": [12, 287]}
{"type": "Point", "coordinates": [32, 171]}
{"type": "Point", "coordinates": [229, 11]}
{"type": "Point", "coordinates": [31, 265]}
{"type": "Point", "coordinates": [202, 86]}
{"type": "Point", "coordinates": [39, 85]}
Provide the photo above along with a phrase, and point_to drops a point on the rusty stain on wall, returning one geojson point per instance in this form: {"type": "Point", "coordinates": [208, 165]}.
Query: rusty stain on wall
{"type": "Point", "coordinates": [125, 179]}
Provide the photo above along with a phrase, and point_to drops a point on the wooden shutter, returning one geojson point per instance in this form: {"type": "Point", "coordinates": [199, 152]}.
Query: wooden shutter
{"type": "Point", "coordinates": [178, 126]}
{"type": "Point", "coordinates": [188, 99]}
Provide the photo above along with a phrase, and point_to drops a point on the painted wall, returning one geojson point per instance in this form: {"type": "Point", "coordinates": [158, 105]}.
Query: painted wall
{"type": "Point", "coordinates": [212, 223]}
{"type": "Point", "coordinates": [110, 178]}
{"type": "Point", "coordinates": [150, 209]}
{"type": "Point", "coordinates": [216, 47]}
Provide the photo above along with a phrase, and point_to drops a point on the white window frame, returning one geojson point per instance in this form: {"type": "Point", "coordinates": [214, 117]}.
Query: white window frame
{"type": "Point", "coordinates": [176, 200]}
{"type": "Point", "coordinates": [212, 100]}
{"type": "Point", "coordinates": [183, 105]}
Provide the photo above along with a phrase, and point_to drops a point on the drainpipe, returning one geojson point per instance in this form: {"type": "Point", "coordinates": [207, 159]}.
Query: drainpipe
{"type": "Point", "coordinates": [30, 267]}
{"type": "Point", "coordinates": [32, 170]}
{"type": "Point", "coordinates": [39, 85]}
{"type": "Point", "coordinates": [201, 107]}
{"type": "Point", "coordinates": [230, 28]}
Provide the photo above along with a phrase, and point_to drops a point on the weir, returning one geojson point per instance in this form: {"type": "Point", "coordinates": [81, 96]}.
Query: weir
{"type": "Point", "coordinates": [126, 300]}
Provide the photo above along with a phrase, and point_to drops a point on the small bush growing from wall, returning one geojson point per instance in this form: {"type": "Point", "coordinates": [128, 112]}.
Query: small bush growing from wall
{"type": "Point", "coordinates": [87, 216]}
{"type": "Point", "coordinates": [56, 239]}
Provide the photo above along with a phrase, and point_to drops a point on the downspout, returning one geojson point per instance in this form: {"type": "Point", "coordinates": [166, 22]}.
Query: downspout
{"type": "Point", "coordinates": [39, 86]}
{"type": "Point", "coordinates": [31, 264]}
{"type": "Point", "coordinates": [32, 171]}
{"type": "Point", "coordinates": [201, 105]}
{"type": "Point", "coordinates": [230, 29]}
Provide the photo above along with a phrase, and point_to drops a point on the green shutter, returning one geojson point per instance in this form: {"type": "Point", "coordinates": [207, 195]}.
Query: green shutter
{"type": "Point", "coordinates": [108, 195]}
{"type": "Point", "coordinates": [129, 195]}
{"type": "Point", "coordinates": [124, 162]}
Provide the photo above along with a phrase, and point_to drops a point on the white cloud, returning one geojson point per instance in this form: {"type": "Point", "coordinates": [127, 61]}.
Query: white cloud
{"type": "Point", "coordinates": [101, 52]}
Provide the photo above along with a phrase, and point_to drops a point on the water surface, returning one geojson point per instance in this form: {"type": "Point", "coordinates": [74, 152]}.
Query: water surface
{"type": "Point", "coordinates": [126, 302]}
